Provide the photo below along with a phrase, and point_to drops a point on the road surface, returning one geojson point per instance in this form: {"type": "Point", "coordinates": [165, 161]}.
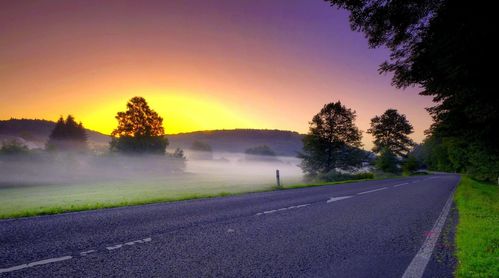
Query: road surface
{"type": "Point", "coordinates": [365, 229]}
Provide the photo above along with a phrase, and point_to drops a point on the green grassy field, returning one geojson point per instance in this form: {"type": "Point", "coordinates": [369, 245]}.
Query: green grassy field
{"type": "Point", "coordinates": [477, 235]}
{"type": "Point", "coordinates": [22, 201]}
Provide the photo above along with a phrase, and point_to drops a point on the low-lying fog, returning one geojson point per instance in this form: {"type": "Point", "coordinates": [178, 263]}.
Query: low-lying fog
{"type": "Point", "coordinates": [198, 169]}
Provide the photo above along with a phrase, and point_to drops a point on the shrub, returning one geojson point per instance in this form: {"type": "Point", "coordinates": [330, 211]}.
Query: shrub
{"type": "Point", "coordinates": [334, 175]}
{"type": "Point", "coordinates": [13, 147]}
{"type": "Point", "coordinates": [387, 162]}
{"type": "Point", "coordinates": [411, 164]}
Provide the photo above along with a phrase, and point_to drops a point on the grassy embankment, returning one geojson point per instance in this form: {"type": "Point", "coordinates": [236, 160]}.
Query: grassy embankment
{"type": "Point", "coordinates": [477, 235]}
{"type": "Point", "coordinates": [23, 201]}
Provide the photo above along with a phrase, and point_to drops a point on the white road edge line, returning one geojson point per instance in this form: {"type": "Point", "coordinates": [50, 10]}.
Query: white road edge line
{"type": "Point", "coordinates": [370, 191]}
{"type": "Point", "coordinates": [334, 199]}
{"type": "Point", "coordinates": [47, 261]}
{"type": "Point", "coordinates": [418, 264]}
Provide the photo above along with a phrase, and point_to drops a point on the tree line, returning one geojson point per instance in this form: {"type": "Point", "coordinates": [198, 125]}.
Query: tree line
{"type": "Point", "coordinates": [334, 142]}
{"type": "Point", "coordinates": [139, 131]}
{"type": "Point", "coordinates": [443, 47]}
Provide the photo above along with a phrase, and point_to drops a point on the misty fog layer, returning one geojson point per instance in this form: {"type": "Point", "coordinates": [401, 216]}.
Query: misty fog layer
{"type": "Point", "coordinates": [197, 170]}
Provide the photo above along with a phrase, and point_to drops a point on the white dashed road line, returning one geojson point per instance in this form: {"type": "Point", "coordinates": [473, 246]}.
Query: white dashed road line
{"type": "Point", "coordinates": [334, 199]}
{"type": "Point", "coordinates": [371, 191]}
{"type": "Point", "coordinates": [114, 247]}
{"type": "Point", "coordinates": [282, 209]}
{"type": "Point", "coordinates": [82, 254]}
{"type": "Point", "coordinates": [397, 185]}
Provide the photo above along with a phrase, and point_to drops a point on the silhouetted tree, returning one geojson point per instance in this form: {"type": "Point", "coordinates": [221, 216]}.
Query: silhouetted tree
{"type": "Point", "coordinates": [67, 135]}
{"type": "Point", "coordinates": [391, 131]}
{"type": "Point", "coordinates": [59, 131]}
{"type": "Point", "coordinates": [140, 130]}
{"type": "Point", "coordinates": [331, 141]}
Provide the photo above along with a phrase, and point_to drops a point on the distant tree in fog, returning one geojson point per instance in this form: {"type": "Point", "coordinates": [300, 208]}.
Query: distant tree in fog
{"type": "Point", "coordinates": [67, 135]}
{"type": "Point", "coordinates": [261, 153]}
{"type": "Point", "coordinates": [201, 146]}
{"type": "Point", "coordinates": [178, 153]}
{"type": "Point", "coordinates": [261, 150]}
{"type": "Point", "coordinates": [332, 141]}
{"type": "Point", "coordinates": [200, 151]}
{"type": "Point", "coordinates": [140, 130]}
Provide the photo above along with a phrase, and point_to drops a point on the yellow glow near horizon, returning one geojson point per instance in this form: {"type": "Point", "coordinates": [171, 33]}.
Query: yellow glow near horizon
{"type": "Point", "coordinates": [180, 112]}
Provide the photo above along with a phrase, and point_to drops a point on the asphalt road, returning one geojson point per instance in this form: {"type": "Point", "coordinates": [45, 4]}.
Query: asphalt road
{"type": "Point", "coordinates": [367, 229]}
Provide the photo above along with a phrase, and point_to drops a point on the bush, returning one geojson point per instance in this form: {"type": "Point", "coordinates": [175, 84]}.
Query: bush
{"type": "Point", "coordinates": [201, 147]}
{"type": "Point", "coordinates": [411, 164]}
{"type": "Point", "coordinates": [387, 162]}
{"type": "Point", "coordinates": [13, 147]}
{"type": "Point", "coordinates": [483, 164]}
{"type": "Point", "coordinates": [419, 173]}
{"type": "Point", "coordinates": [334, 175]}
{"type": "Point", "coordinates": [139, 144]}
{"type": "Point", "coordinates": [261, 153]}
{"type": "Point", "coordinates": [261, 150]}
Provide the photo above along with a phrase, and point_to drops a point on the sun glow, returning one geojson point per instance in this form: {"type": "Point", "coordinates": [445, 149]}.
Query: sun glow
{"type": "Point", "coordinates": [181, 112]}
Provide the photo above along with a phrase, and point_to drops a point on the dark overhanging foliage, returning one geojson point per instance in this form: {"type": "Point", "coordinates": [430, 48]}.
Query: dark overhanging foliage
{"type": "Point", "coordinates": [445, 48]}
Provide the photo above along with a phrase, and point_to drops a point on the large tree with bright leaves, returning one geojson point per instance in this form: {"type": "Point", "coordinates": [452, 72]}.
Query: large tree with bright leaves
{"type": "Point", "coordinates": [391, 133]}
{"type": "Point", "coordinates": [140, 129]}
{"type": "Point", "coordinates": [332, 141]}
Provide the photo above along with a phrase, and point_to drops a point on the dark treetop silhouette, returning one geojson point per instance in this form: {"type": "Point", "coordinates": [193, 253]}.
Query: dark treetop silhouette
{"type": "Point", "coordinates": [140, 129]}
{"type": "Point", "coordinates": [67, 135]}
{"type": "Point", "coordinates": [391, 131]}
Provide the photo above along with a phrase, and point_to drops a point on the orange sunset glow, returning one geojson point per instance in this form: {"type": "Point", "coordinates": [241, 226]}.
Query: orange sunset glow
{"type": "Point", "coordinates": [222, 65]}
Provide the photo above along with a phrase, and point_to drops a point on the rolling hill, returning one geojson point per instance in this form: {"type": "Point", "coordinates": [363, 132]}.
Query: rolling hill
{"type": "Point", "coordinates": [34, 133]}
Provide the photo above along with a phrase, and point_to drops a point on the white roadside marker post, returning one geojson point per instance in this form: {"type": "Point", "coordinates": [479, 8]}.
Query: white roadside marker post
{"type": "Point", "coordinates": [278, 178]}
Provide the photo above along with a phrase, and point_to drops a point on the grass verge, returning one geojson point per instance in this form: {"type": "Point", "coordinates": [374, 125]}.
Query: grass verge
{"type": "Point", "coordinates": [477, 235]}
